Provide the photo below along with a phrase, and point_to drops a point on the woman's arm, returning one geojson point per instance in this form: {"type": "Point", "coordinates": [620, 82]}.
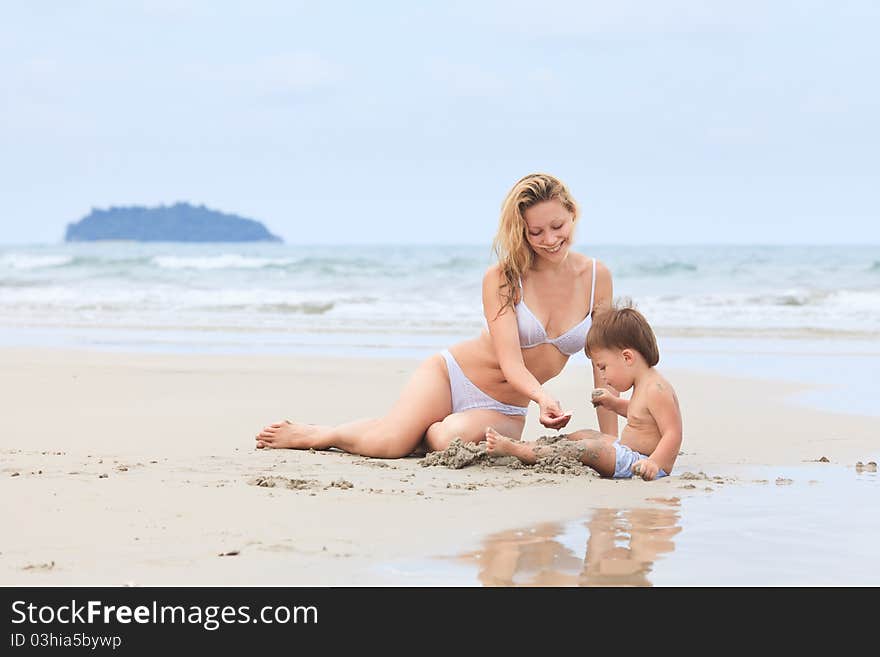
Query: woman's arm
{"type": "Point", "coordinates": [607, 417]}
{"type": "Point", "coordinates": [602, 301]}
{"type": "Point", "coordinates": [505, 337]}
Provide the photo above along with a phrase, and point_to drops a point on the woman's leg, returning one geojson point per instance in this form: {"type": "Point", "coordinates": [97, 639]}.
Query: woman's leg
{"type": "Point", "coordinates": [470, 426]}
{"type": "Point", "coordinates": [424, 400]}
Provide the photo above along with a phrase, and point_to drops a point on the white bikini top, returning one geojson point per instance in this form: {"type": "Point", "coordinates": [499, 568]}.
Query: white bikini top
{"type": "Point", "coordinates": [532, 333]}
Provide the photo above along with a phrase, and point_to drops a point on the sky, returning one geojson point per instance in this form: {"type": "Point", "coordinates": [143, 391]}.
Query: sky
{"type": "Point", "coordinates": [407, 122]}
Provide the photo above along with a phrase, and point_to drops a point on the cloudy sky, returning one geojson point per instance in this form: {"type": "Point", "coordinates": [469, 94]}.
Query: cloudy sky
{"type": "Point", "coordinates": [406, 122]}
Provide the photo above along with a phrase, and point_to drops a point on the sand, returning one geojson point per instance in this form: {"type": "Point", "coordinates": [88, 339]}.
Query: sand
{"type": "Point", "coordinates": [563, 457]}
{"type": "Point", "coordinates": [124, 469]}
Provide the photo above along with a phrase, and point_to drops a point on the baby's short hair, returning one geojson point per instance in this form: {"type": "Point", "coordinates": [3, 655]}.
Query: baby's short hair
{"type": "Point", "coordinates": [623, 327]}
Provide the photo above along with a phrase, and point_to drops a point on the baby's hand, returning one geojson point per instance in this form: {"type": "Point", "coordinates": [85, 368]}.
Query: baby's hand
{"type": "Point", "coordinates": [646, 469]}
{"type": "Point", "coordinates": [600, 397]}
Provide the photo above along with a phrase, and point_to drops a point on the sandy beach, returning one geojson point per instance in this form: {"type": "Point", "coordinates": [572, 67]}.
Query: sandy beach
{"type": "Point", "coordinates": [137, 469]}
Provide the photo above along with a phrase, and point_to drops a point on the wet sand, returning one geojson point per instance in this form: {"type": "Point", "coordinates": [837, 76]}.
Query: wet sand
{"type": "Point", "coordinates": [813, 526]}
{"type": "Point", "coordinates": [133, 469]}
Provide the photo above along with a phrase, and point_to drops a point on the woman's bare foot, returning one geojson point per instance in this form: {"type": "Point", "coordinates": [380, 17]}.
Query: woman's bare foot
{"type": "Point", "coordinates": [292, 435]}
{"type": "Point", "coordinates": [498, 445]}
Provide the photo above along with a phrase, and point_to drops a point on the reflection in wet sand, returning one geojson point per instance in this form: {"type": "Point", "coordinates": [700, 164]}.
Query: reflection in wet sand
{"type": "Point", "coordinates": [622, 546]}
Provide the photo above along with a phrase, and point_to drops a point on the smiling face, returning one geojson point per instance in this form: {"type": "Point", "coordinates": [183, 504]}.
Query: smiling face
{"type": "Point", "coordinates": [616, 367]}
{"type": "Point", "coordinates": [549, 228]}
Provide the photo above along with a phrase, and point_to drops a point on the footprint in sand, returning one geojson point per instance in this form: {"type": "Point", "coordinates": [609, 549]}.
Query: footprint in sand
{"type": "Point", "coordinates": [284, 482]}
{"type": "Point", "coordinates": [39, 567]}
{"type": "Point", "coordinates": [693, 476]}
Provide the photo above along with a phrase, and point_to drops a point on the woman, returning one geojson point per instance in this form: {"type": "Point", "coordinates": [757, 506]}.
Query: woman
{"type": "Point", "coordinates": [539, 288]}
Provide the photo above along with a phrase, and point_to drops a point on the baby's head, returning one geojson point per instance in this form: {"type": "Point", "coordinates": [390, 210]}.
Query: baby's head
{"type": "Point", "coordinates": [620, 343]}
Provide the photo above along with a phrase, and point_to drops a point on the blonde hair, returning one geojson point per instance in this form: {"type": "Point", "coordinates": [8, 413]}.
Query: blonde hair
{"type": "Point", "coordinates": [515, 254]}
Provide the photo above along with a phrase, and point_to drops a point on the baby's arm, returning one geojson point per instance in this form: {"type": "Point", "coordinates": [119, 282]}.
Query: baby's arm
{"type": "Point", "coordinates": [663, 406]}
{"type": "Point", "coordinates": [603, 397]}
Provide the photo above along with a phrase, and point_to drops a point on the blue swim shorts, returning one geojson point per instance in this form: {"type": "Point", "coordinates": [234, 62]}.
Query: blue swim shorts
{"type": "Point", "coordinates": [626, 459]}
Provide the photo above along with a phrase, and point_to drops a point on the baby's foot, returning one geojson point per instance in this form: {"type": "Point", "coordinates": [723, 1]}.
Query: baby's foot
{"type": "Point", "coordinates": [498, 445]}
{"type": "Point", "coordinates": [290, 435]}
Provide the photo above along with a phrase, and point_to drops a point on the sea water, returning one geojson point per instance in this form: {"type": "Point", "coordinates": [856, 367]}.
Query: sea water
{"type": "Point", "coordinates": [798, 313]}
{"type": "Point", "coordinates": [375, 294]}
{"type": "Point", "coordinates": [807, 525]}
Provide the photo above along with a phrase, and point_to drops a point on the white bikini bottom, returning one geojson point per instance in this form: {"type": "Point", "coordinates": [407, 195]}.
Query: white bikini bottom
{"type": "Point", "coordinates": [465, 395]}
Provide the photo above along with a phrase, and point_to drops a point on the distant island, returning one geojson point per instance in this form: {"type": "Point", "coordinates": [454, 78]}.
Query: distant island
{"type": "Point", "coordinates": [180, 222]}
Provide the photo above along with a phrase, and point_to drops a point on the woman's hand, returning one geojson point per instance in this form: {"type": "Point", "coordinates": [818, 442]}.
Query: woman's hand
{"type": "Point", "coordinates": [552, 415]}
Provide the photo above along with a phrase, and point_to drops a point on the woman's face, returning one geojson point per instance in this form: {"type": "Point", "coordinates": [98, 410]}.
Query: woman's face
{"type": "Point", "coordinates": [548, 229]}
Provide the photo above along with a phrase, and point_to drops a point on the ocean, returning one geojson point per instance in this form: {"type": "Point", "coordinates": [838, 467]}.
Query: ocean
{"type": "Point", "coordinates": [371, 296]}
{"type": "Point", "coordinates": [795, 312]}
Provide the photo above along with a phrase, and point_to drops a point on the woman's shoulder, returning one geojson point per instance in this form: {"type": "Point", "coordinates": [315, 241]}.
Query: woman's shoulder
{"type": "Point", "coordinates": [584, 266]}
{"type": "Point", "coordinates": [493, 273]}
{"type": "Point", "coordinates": [603, 285]}
{"type": "Point", "coordinates": [493, 278]}
{"type": "Point", "coordinates": [602, 271]}
{"type": "Point", "coordinates": [496, 285]}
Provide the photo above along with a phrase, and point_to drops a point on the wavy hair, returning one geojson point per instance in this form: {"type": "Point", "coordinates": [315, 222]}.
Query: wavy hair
{"type": "Point", "coordinates": [515, 254]}
{"type": "Point", "coordinates": [623, 327]}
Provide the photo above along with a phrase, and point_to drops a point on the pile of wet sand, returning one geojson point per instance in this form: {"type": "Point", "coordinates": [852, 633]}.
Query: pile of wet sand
{"type": "Point", "coordinates": [563, 457]}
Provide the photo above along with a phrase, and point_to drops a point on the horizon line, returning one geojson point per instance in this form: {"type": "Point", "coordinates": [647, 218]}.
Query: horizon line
{"type": "Point", "coordinates": [434, 243]}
